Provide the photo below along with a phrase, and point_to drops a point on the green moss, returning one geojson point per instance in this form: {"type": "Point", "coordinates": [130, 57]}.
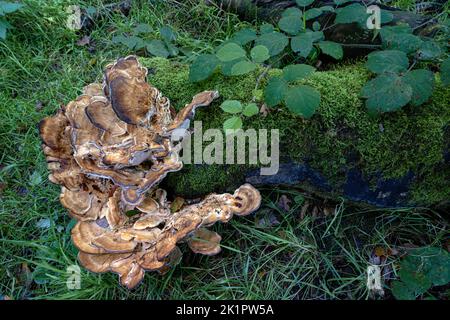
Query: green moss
{"type": "Point", "coordinates": [341, 135]}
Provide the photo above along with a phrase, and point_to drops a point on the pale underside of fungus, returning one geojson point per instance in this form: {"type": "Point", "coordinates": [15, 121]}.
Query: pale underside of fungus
{"type": "Point", "coordinates": [109, 149]}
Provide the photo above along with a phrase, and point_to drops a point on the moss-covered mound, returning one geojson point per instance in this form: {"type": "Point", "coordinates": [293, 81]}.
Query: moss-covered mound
{"type": "Point", "coordinates": [340, 138]}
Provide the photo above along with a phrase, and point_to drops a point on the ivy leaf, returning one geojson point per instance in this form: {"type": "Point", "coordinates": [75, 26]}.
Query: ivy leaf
{"type": "Point", "coordinates": [387, 61]}
{"type": "Point", "coordinates": [327, 8]}
{"type": "Point", "coordinates": [226, 67]}
{"type": "Point", "coordinates": [295, 72]}
{"type": "Point", "coordinates": [304, 3]}
{"type": "Point", "coordinates": [142, 28]}
{"type": "Point", "coordinates": [250, 110]}
{"type": "Point", "coordinates": [259, 54]}
{"type": "Point", "coordinates": [445, 72]}
{"type": "Point", "coordinates": [203, 67]}
{"type": "Point", "coordinates": [421, 82]}
{"type": "Point", "coordinates": [332, 49]}
{"type": "Point", "coordinates": [173, 50]}
{"type": "Point", "coordinates": [233, 123]}
{"type": "Point", "coordinates": [9, 7]}
{"type": "Point", "coordinates": [429, 50]}
{"type": "Point", "coordinates": [351, 13]}
{"type": "Point", "coordinates": [387, 92]}
{"type": "Point", "coordinates": [244, 36]}
{"type": "Point", "coordinates": [292, 11]}
{"type": "Point", "coordinates": [274, 92]}
{"type": "Point", "coordinates": [230, 51]}
{"type": "Point", "coordinates": [242, 67]}
{"type": "Point", "coordinates": [302, 100]}
{"type": "Point", "coordinates": [157, 48]}
{"type": "Point", "coordinates": [275, 42]}
{"type": "Point", "coordinates": [401, 291]}
{"type": "Point", "coordinates": [302, 43]}
{"type": "Point", "coordinates": [167, 33]}
{"type": "Point", "coordinates": [231, 106]}
{"type": "Point", "coordinates": [312, 13]}
{"type": "Point", "coordinates": [266, 28]}
{"type": "Point", "coordinates": [290, 24]}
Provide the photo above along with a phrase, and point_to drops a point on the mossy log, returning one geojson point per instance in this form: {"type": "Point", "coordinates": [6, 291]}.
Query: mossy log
{"type": "Point", "coordinates": [394, 159]}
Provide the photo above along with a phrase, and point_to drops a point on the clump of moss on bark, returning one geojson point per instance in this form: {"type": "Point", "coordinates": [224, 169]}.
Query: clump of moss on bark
{"type": "Point", "coordinates": [340, 136]}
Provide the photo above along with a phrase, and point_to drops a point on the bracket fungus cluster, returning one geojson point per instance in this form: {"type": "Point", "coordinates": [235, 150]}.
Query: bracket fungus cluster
{"type": "Point", "coordinates": [109, 149]}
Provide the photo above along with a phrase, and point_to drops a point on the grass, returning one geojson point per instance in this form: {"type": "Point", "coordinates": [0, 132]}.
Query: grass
{"type": "Point", "coordinates": [42, 67]}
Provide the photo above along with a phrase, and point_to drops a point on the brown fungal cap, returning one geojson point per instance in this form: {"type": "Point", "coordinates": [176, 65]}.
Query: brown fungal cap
{"type": "Point", "coordinates": [109, 149]}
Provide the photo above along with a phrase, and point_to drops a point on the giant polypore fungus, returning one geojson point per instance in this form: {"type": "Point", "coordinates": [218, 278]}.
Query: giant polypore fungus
{"type": "Point", "coordinates": [109, 149]}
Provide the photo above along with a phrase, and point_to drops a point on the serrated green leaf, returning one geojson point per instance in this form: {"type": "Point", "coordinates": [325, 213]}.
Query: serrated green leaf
{"type": "Point", "coordinates": [445, 72]}
{"type": "Point", "coordinates": [421, 81]}
{"type": "Point", "coordinates": [295, 72]}
{"type": "Point", "coordinates": [173, 50]}
{"type": "Point", "coordinates": [203, 67]}
{"type": "Point", "coordinates": [231, 51]}
{"type": "Point", "coordinates": [292, 11]}
{"type": "Point", "coordinates": [332, 49]}
{"type": "Point", "coordinates": [386, 93]}
{"type": "Point", "coordinates": [304, 3]}
{"type": "Point", "coordinates": [302, 44]}
{"type": "Point", "coordinates": [429, 50]}
{"type": "Point", "coordinates": [274, 92]}
{"type": "Point", "coordinates": [387, 61]}
{"type": "Point", "coordinates": [244, 36]}
{"type": "Point", "coordinates": [233, 123]}
{"type": "Point", "coordinates": [290, 24]}
{"type": "Point", "coordinates": [386, 16]}
{"type": "Point", "coordinates": [259, 54]}
{"type": "Point", "coordinates": [275, 42]}
{"type": "Point", "coordinates": [341, 2]}
{"type": "Point", "coordinates": [3, 27]}
{"type": "Point", "coordinates": [417, 282]}
{"type": "Point", "coordinates": [9, 7]}
{"type": "Point", "coordinates": [302, 100]}
{"type": "Point", "coordinates": [242, 67]}
{"type": "Point", "coordinates": [401, 291]}
{"type": "Point", "coordinates": [312, 13]}
{"type": "Point", "coordinates": [157, 48]}
{"type": "Point", "coordinates": [351, 13]}
{"type": "Point", "coordinates": [167, 33]}
{"type": "Point", "coordinates": [231, 106]}
{"type": "Point", "coordinates": [250, 110]}
{"type": "Point", "coordinates": [142, 28]}
{"type": "Point", "coordinates": [316, 26]}
{"type": "Point", "coordinates": [402, 41]}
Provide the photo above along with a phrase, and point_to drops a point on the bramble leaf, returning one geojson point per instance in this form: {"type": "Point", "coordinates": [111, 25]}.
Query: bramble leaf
{"type": "Point", "coordinates": [302, 100]}
{"type": "Point", "coordinates": [274, 41]}
{"type": "Point", "coordinates": [332, 49]}
{"type": "Point", "coordinates": [386, 93]}
{"type": "Point", "coordinates": [387, 61]}
{"type": "Point", "coordinates": [230, 51]}
{"type": "Point", "coordinates": [203, 67]}
{"type": "Point", "coordinates": [274, 92]}
{"type": "Point", "coordinates": [233, 123]}
{"type": "Point", "coordinates": [231, 106]}
{"type": "Point", "coordinates": [421, 82]}
{"type": "Point", "coordinates": [295, 72]}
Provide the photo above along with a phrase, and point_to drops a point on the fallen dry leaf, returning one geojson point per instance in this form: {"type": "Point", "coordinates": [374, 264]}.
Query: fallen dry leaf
{"type": "Point", "coordinates": [177, 204]}
{"type": "Point", "coordinates": [84, 41]}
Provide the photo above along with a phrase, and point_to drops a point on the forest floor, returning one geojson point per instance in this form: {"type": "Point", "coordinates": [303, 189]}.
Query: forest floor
{"type": "Point", "coordinates": [294, 247]}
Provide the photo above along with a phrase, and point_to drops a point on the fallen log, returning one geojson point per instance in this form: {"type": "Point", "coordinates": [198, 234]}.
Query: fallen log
{"type": "Point", "coordinates": [395, 159]}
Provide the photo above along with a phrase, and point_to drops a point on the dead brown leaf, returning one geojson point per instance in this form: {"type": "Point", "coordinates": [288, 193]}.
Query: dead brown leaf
{"type": "Point", "coordinates": [84, 41]}
{"type": "Point", "coordinates": [283, 203]}
{"type": "Point", "coordinates": [177, 204]}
